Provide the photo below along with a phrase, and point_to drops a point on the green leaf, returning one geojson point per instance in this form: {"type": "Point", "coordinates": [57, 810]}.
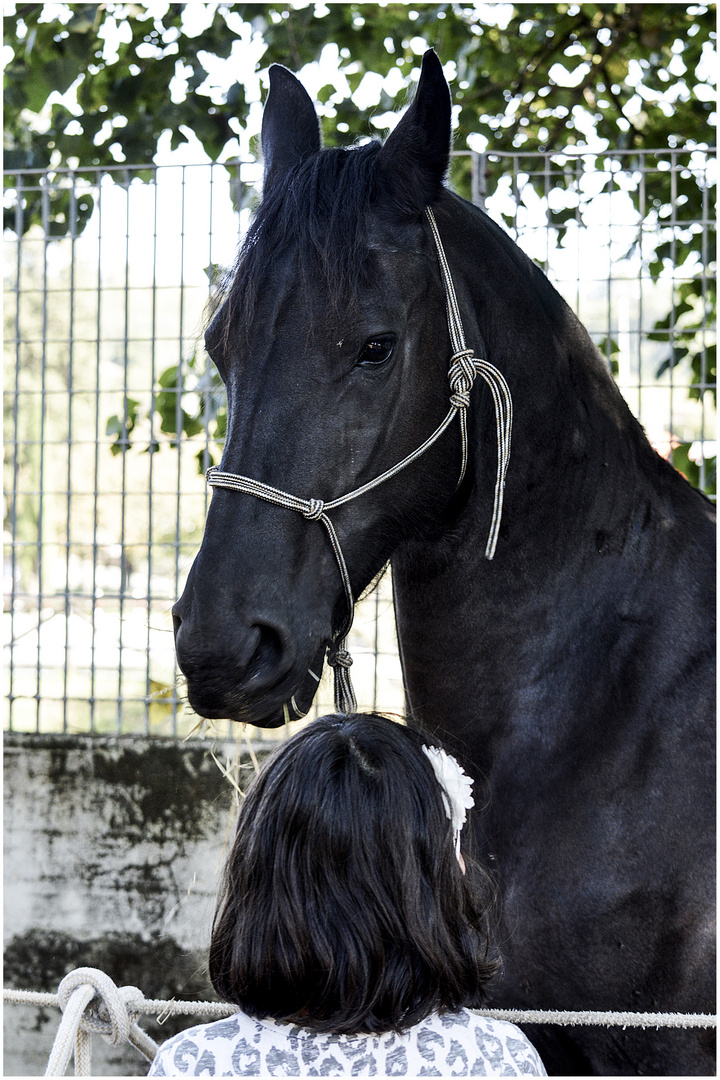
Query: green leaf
{"type": "Point", "coordinates": [325, 93]}
{"type": "Point", "coordinates": [205, 460]}
{"type": "Point", "coordinates": [611, 354]}
{"type": "Point", "coordinates": [691, 470]}
{"type": "Point", "coordinates": [85, 18]}
{"type": "Point", "coordinates": [235, 99]}
{"type": "Point", "coordinates": [122, 427]}
{"type": "Point", "coordinates": [62, 72]}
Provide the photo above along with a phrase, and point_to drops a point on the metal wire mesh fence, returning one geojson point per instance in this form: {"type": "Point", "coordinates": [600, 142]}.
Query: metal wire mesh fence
{"type": "Point", "coordinates": [112, 410]}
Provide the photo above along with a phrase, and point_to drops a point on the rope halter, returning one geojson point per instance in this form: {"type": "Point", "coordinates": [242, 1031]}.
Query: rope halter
{"type": "Point", "coordinates": [463, 370]}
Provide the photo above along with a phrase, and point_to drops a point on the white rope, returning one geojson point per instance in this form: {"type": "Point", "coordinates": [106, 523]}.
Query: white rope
{"type": "Point", "coordinates": [603, 1019]}
{"type": "Point", "coordinates": [68, 1035]}
{"type": "Point", "coordinates": [464, 367]}
{"type": "Point", "coordinates": [91, 1004]}
{"type": "Point", "coordinates": [462, 374]}
{"type": "Point", "coordinates": [217, 1010]}
{"type": "Point", "coordinates": [148, 1006]}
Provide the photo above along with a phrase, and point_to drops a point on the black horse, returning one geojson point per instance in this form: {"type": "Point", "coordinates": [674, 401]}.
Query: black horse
{"type": "Point", "coordinates": [574, 671]}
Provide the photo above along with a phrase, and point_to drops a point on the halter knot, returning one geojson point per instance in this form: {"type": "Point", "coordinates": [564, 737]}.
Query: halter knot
{"type": "Point", "coordinates": [460, 399]}
{"type": "Point", "coordinates": [462, 362]}
{"type": "Point", "coordinates": [339, 658]}
{"type": "Point", "coordinates": [314, 510]}
{"type": "Point", "coordinates": [461, 376]}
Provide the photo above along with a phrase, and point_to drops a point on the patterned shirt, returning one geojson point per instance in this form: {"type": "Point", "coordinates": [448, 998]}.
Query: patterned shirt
{"type": "Point", "coordinates": [452, 1044]}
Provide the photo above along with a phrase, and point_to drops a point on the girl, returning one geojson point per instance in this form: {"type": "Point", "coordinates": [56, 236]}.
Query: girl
{"type": "Point", "coordinates": [348, 931]}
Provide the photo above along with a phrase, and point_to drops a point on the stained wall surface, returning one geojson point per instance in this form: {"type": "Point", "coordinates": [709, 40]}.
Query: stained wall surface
{"type": "Point", "coordinates": [113, 853]}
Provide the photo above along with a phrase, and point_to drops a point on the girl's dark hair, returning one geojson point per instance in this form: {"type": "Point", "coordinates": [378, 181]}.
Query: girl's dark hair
{"type": "Point", "coordinates": [344, 908]}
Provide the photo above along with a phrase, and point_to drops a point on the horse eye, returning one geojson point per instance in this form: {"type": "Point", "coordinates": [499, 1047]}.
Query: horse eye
{"type": "Point", "coordinates": [376, 351]}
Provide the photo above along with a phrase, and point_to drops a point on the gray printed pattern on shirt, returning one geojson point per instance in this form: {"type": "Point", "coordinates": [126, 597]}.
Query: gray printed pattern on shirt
{"type": "Point", "coordinates": [454, 1044]}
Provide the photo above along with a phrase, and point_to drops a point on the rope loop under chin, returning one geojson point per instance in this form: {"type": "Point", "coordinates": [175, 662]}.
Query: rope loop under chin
{"type": "Point", "coordinates": [339, 657]}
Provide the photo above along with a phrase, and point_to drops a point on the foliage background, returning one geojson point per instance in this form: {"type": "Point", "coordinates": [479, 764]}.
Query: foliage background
{"type": "Point", "coordinates": [527, 76]}
{"type": "Point", "coordinates": [98, 84]}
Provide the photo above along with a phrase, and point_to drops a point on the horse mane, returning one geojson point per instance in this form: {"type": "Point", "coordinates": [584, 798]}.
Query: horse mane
{"type": "Point", "coordinates": [318, 210]}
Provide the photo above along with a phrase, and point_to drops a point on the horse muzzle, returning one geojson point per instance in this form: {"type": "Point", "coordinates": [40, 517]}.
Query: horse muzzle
{"type": "Point", "coordinates": [249, 675]}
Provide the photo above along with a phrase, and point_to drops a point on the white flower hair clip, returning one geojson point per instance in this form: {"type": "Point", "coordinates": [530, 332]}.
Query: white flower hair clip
{"type": "Point", "coordinates": [456, 789]}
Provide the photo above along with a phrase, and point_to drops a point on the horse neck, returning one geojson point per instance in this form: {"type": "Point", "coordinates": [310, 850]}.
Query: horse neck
{"type": "Point", "coordinates": [580, 479]}
{"type": "Point", "coordinates": [579, 457]}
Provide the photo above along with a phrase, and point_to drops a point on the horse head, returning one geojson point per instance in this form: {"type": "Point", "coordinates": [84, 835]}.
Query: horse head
{"type": "Point", "coordinates": [333, 345]}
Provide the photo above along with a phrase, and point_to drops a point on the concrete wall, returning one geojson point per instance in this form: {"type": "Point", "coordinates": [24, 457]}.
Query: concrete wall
{"type": "Point", "coordinates": [113, 850]}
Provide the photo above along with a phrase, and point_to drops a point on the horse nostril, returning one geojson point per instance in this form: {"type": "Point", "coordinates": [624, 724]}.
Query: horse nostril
{"type": "Point", "coordinates": [230, 665]}
{"type": "Point", "coordinates": [269, 651]}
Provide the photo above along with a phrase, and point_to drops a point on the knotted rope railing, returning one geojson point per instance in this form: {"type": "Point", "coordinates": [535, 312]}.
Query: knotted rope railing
{"type": "Point", "coordinates": [93, 1005]}
{"type": "Point", "coordinates": [464, 368]}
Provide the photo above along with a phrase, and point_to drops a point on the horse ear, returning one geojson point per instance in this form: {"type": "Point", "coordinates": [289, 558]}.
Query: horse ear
{"type": "Point", "coordinates": [420, 144]}
{"type": "Point", "coordinates": [290, 127]}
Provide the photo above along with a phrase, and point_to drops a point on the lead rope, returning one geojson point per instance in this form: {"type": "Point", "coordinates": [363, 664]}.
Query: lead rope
{"type": "Point", "coordinates": [464, 367]}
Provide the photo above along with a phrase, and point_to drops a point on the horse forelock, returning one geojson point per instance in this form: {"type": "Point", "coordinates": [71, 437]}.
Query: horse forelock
{"type": "Point", "coordinates": [318, 213]}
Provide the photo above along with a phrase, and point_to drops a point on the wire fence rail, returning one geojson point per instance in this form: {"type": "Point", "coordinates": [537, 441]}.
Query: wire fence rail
{"type": "Point", "coordinates": [113, 411]}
